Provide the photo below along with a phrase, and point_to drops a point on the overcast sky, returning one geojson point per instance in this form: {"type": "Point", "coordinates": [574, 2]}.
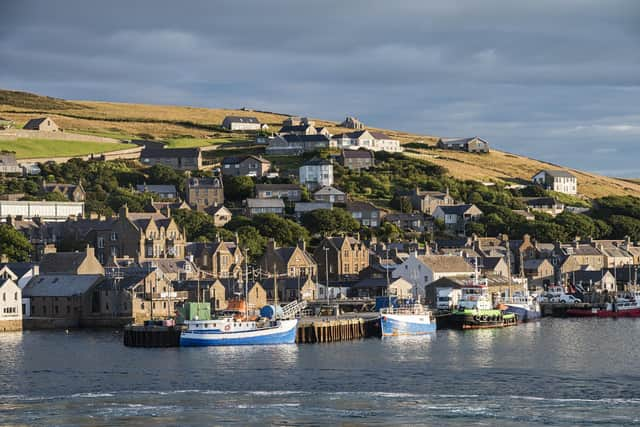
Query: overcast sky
{"type": "Point", "coordinates": [557, 80]}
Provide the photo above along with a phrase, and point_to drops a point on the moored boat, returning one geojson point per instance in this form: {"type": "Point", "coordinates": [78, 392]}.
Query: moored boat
{"type": "Point", "coordinates": [228, 331]}
{"type": "Point", "coordinates": [411, 319]}
{"type": "Point", "coordinates": [526, 308]}
{"type": "Point", "coordinates": [475, 311]}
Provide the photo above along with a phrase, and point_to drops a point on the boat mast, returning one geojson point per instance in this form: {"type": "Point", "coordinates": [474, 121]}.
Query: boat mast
{"type": "Point", "coordinates": [388, 290]}
{"type": "Point", "coordinates": [275, 292]}
{"type": "Point", "coordinates": [246, 284]}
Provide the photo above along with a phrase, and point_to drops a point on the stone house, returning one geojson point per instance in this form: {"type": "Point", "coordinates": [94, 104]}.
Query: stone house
{"type": "Point", "coordinates": [10, 306]}
{"type": "Point", "coordinates": [346, 256]}
{"type": "Point", "coordinates": [8, 163]}
{"type": "Point", "coordinates": [204, 194]}
{"type": "Point", "coordinates": [45, 124]}
{"type": "Point", "coordinates": [263, 206]}
{"type": "Point", "coordinates": [496, 266]}
{"type": "Point", "coordinates": [256, 166]}
{"type": "Point", "coordinates": [428, 201]}
{"type": "Point", "coordinates": [221, 215]}
{"type": "Point", "coordinates": [538, 271]}
{"type": "Point", "coordinates": [357, 159]}
{"type": "Point", "coordinates": [290, 261]}
{"type": "Point", "coordinates": [615, 254]}
{"type": "Point", "coordinates": [241, 123]}
{"type": "Point", "coordinates": [473, 144]}
{"type": "Point", "coordinates": [177, 158]}
{"type": "Point", "coordinates": [257, 297]}
{"type": "Point", "coordinates": [366, 213]}
{"type": "Point", "coordinates": [557, 180]}
{"type": "Point", "coordinates": [73, 192]}
{"type": "Point", "coordinates": [220, 259]}
{"type": "Point", "coordinates": [62, 296]}
{"type": "Point", "coordinates": [138, 235]}
{"type": "Point", "coordinates": [316, 173]}
{"type": "Point", "coordinates": [208, 290]}
{"type": "Point", "coordinates": [73, 263]}
{"type": "Point", "coordinates": [578, 256]}
{"type": "Point", "coordinates": [598, 280]}
{"type": "Point", "coordinates": [291, 192]}
{"type": "Point", "coordinates": [352, 123]}
{"type": "Point", "coordinates": [330, 194]}
{"type": "Point", "coordinates": [296, 288]}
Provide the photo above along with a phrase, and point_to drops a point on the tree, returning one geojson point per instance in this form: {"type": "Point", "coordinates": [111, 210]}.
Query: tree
{"type": "Point", "coordinates": [625, 226]}
{"type": "Point", "coordinates": [250, 238]}
{"type": "Point", "coordinates": [388, 232]}
{"type": "Point", "coordinates": [55, 196]}
{"type": "Point", "coordinates": [476, 228]}
{"type": "Point", "coordinates": [577, 225]}
{"type": "Point", "coordinates": [402, 203]}
{"type": "Point", "coordinates": [284, 231]}
{"type": "Point", "coordinates": [238, 187]}
{"type": "Point", "coordinates": [329, 221]}
{"type": "Point", "coordinates": [13, 244]}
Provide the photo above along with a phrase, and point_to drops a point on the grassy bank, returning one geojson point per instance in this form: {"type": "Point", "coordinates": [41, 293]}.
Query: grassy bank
{"type": "Point", "coordinates": [50, 148]}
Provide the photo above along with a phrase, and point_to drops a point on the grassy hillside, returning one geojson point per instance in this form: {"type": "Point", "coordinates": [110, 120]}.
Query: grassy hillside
{"type": "Point", "coordinates": [189, 126]}
{"type": "Point", "coordinates": [46, 148]}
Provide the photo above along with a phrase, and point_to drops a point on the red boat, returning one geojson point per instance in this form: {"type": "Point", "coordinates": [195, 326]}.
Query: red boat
{"type": "Point", "coordinates": [621, 308]}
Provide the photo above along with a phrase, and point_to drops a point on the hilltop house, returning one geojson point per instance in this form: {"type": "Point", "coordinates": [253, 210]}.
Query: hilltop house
{"type": "Point", "coordinates": [330, 194]}
{"type": "Point", "coordinates": [357, 159]}
{"type": "Point", "coordinates": [291, 192]}
{"type": "Point", "coordinates": [352, 123]}
{"type": "Point", "coordinates": [557, 180]}
{"type": "Point", "coordinates": [295, 145]}
{"type": "Point", "coordinates": [241, 123]}
{"type": "Point", "coordinates": [409, 221]}
{"type": "Point", "coordinates": [316, 173]}
{"type": "Point", "coordinates": [43, 124]}
{"type": "Point", "coordinates": [255, 166]}
{"type": "Point", "coordinates": [73, 192]}
{"type": "Point", "coordinates": [366, 213]}
{"type": "Point", "coordinates": [428, 201]}
{"type": "Point", "coordinates": [374, 141]}
{"type": "Point", "coordinates": [548, 205]}
{"type": "Point", "coordinates": [263, 206]}
{"type": "Point", "coordinates": [221, 215]}
{"type": "Point", "coordinates": [203, 194]}
{"type": "Point", "coordinates": [177, 158]}
{"type": "Point", "coordinates": [456, 217]}
{"type": "Point", "coordinates": [471, 145]}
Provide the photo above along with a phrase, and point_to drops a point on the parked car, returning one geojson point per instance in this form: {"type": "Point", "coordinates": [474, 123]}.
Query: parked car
{"type": "Point", "coordinates": [569, 299]}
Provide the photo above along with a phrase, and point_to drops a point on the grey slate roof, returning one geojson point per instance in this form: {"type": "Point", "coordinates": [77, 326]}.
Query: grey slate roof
{"type": "Point", "coordinates": [153, 188]}
{"type": "Point", "coordinates": [305, 138]}
{"type": "Point", "coordinates": [265, 203]}
{"type": "Point", "coordinates": [241, 119]}
{"type": "Point", "coordinates": [60, 285]}
{"type": "Point", "coordinates": [357, 154]}
{"type": "Point", "coordinates": [18, 268]}
{"type": "Point", "coordinates": [455, 209]}
{"type": "Point", "coordinates": [61, 262]}
{"type": "Point", "coordinates": [169, 152]}
{"type": "Point", "coordinates": [277, 187]}
{"type": "Point", "coordinates": [557, 173]}
{"type": "Point", "coordinates": [33, 124]}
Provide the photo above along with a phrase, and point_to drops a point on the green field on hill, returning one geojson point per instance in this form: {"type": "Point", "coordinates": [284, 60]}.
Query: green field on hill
{"type": "Point", "coordinates": [50, 148]}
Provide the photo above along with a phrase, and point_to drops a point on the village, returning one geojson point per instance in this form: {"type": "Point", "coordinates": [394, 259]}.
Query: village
{"type": "Point", "coordinates": [86, 269]}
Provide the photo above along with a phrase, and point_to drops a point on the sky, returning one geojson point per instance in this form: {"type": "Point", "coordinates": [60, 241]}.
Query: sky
{"type": "Point", "coordinates": [557, 80]}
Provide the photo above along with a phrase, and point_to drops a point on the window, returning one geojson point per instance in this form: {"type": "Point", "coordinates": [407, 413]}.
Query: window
{"type": "Point", "coordinates": [68, 309]}
{"type": "Point", "coordinates": [100, 242]}
{"type": "Point", "coordinates": [15, 296]}
{"type": "Point", "coordinates": [114, 236]}
{"type": "Point", "coordinates": [44, 309]}
{"type": "Point", "coordinates": [56, 309]}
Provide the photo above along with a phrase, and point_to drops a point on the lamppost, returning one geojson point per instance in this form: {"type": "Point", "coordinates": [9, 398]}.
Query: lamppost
{"type": "Point", "coordinates": [326, 270]}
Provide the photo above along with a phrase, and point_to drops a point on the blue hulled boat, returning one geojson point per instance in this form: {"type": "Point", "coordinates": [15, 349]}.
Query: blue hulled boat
{"type": "Point", "coordinates": [406, 320]}
{"type": "Point", "coordinates": [228, 331]}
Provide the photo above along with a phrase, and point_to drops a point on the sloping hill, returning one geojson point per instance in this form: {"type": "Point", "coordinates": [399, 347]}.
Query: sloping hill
{"type": "Point", "coordinates": [182, 124]}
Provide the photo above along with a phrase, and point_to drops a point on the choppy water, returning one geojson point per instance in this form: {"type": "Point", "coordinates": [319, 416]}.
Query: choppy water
{"type": "Point", "coordinates": [554, 372]}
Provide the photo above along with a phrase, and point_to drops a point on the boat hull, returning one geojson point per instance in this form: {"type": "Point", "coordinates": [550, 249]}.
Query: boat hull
{"type": "Point", "coordinates": [525, 314]}
{"type": "Point", "coordinates": [284, 333]}
{"type": "Point", "coordinates": [406, 324]}
{"type": "Point", "coordinates": [481, 320]}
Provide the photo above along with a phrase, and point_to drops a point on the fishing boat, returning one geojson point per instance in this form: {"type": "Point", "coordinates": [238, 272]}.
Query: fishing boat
{"type": "Point", "coordinates": [525, 307]}
{"type": "Point", "coordinates": [408, 319]}
{"type": "Point", "coordinates": [229, 331]}
{"type": "Point", "coordinates": [620, 308]}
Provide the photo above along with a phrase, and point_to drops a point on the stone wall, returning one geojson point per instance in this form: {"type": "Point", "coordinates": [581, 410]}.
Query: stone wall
{"type": "Point", "coordinates": [10, 325]}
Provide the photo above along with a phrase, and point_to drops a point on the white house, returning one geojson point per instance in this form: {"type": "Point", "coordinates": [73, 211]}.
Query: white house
{"type": "Point", "coordinates": [420, 270]}
{"type": "Point", "coordinates": [374, 141]}
{"type": "Point", "coordinates": [20, 273]}
{"type": "Point", "coordinates": [316, 173]}
{"type": "Point", "coordinates": [241, 123]}
{"type": "Point", "coordinates": [557, 180]}
{"type": "Point", "coordinates": [47, 211]}
{"type": "Point", "coordinates": [10, 306]}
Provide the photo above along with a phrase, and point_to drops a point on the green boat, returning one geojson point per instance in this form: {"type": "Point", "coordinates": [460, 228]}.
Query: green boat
{"type": "Point", "coordinates": [475, 311]}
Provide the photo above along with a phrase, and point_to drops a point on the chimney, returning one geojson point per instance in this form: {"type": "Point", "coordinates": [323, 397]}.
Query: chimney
{"type": "Point", "coordinates": [90, 251]}
{"type": "Point", "coordinates": [302, 244]}
{"type": "Point", "coordinates": [4, 258]}
{"type": "Point", "coordinates": [236, 238]}
{"type": "Point", "coordinates": [271, 244]}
